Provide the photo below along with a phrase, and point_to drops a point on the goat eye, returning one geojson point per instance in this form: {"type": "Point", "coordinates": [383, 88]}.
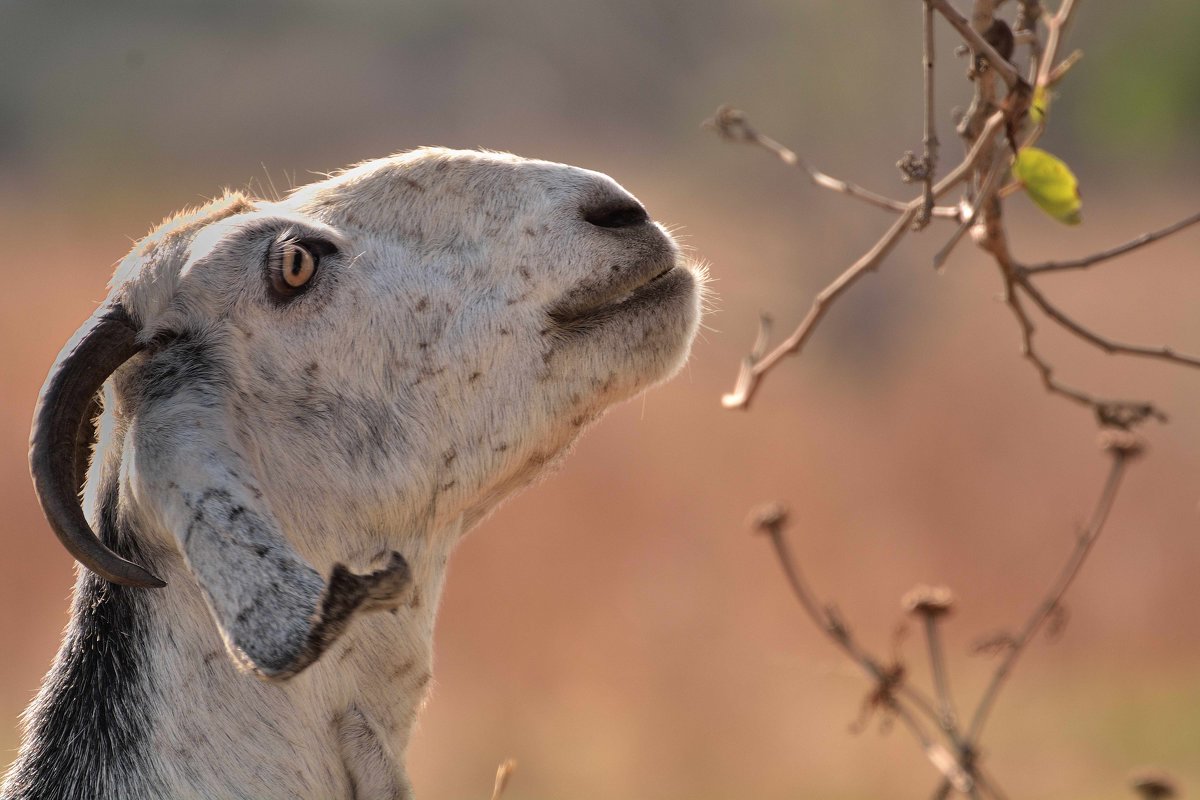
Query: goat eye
{"type": "Point", "coordinates": [295, 265]}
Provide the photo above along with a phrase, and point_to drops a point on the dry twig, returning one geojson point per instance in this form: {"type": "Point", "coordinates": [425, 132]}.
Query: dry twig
{"type": "Point", "coordinates": [930, 139]}
{"type": "Point", "coordinates": [732, 126]}
{"type": "Point", "coordinates": [1123, 448]}
{"type": "Point", "coordinates": [1113, 252]}
{"type": "Point", "coordinates": [981, 174]}
{"type": "Point", "coordinates": [931, 605]}
{"type": "Point", "coordinates": [1007, 72]}
{"type": "Point", "coordinates": [983, 170]}
{"type": "Point", "coordinates": [1093, 338]}
{"type": "Point", "coordinates": [753, 369]}
{"type": "Point", "coordinates": [1122, 414]}
{"type": "Point", "coordinates": [891, 693]}
{"type": "Point", "coordinates": [503, 773]}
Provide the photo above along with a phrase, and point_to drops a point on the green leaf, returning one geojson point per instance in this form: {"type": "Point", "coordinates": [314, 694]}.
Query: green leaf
{"type": "Point", "coordinates": [1049, 183]}
{"type": "Point", "coordinates": [1040, 105]}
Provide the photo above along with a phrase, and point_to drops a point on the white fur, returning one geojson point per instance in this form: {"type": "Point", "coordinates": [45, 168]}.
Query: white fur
{"type": "Point", "coordinates": [389, 409]}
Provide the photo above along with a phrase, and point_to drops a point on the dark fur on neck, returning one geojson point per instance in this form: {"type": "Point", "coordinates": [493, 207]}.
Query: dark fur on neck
{"type": "Point", "coordinates": [86, 732]}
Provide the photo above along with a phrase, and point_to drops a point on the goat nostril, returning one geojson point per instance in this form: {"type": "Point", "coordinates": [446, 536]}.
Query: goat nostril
{"type": "Point", "coordinates": [621, 215]}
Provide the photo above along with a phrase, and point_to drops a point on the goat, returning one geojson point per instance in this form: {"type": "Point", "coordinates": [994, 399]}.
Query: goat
{"type": "Point", "coordinates": [340, 383]}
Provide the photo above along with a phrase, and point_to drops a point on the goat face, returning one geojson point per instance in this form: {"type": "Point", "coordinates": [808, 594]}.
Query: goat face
{"type": "Point", "coordinates": [511, 301]}
{"type": "Point", "coordinates": [398, 345]}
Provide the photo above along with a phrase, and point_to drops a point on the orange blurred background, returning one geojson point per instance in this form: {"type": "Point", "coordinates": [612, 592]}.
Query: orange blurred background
{"type": "Point", "coordinates": [616, 629]}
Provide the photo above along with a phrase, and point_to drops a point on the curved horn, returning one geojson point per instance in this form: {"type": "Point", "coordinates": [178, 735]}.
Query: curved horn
{"type": "Point", "coordinates": [106, 341]}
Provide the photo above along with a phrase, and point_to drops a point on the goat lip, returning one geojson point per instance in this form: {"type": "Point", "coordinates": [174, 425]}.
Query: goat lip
{"type": "Point", "coordinates": [579, 316]}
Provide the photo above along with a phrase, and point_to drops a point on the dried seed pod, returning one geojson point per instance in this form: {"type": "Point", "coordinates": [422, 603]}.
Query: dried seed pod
{"type": "Point", "coordinates": [928, 601]}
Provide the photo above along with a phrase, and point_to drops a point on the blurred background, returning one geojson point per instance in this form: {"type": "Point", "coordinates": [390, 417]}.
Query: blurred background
{"type": "Point", "coordinates": [616, 629]}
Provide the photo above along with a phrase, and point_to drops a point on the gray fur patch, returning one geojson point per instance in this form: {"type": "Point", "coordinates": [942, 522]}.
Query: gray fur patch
{"type": "Point", "coordinates": [272, 607]}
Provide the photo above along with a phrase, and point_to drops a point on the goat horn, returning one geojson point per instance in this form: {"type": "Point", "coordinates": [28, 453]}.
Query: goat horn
{"type": "Point", "coordinates": [106, 341]}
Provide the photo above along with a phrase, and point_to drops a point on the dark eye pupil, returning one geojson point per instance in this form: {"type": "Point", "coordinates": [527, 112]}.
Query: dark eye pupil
{"type": "Point", "coordinates": [292, 264]}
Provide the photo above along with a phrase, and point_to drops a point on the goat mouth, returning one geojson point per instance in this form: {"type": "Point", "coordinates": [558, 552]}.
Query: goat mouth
{"type": "Point", "coordinates": [585, 308]}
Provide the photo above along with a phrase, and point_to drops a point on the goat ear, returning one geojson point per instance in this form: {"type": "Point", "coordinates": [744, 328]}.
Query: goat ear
{"type": "Point", "coordinates": [274, 611]}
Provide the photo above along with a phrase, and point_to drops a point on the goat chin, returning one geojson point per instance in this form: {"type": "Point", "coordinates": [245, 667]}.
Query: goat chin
{"type": "Point", "coordinates": [306, 402]}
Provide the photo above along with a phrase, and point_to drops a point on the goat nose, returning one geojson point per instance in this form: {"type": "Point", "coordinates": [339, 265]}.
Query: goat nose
{"type": "Point", "coordinates": [624, 213]}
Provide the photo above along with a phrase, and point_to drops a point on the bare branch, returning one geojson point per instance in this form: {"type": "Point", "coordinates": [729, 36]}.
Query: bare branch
{"type": "Point", "coordinates": [1060, 71]}
{"type": "Point", "coordinates": [752, 371]}
{"type": "Point", "coordinates": [942, 759]}
{"type": "Point", "coordinates": [1029, 12]}
{"type": "Point", "coordinates": [1122, 451]}
{"type": "Point", "coordinates": [1095, 339]}
{"type": "Point", "coordinates": [763, 339]}
{"type": "Point", "coordinates": [982, 174]}
{"type": "Point", "coordinates": [1119, 250]}
{"type": "Point", "coordinates": [1123, 446]}
{"type": "Point", "coordinates": [1007, 72]}
{"type": "Point", "coordinates": [990, 188]}
{"type": "Point", "coordinates": [891, 690]}
{"type": "Point", "coordinates": [1118, 413]}
{"type": "Point", "coordinates": [1009, 189]}
{"type": "Point", "coordinates": [937, 665]}
{"type": "Point", "coordinates": [731, 125]}
{"type": "Point", "coordinates": [771, 519]}
{"type": "Point", "coordinates": [981, 146]}
{"type": "Point", "coordinates": [1013, 300]}
{"type": "Point", "coordinates": [1055, 26]}
{"type": "Point", "coordinates": [930, 139]}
